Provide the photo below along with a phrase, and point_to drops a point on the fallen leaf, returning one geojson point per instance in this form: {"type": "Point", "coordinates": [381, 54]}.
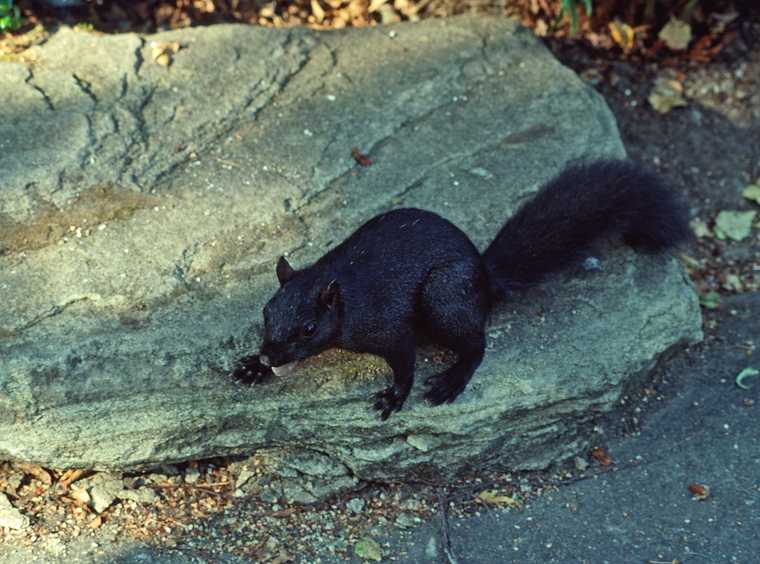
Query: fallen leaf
{"type": "Point", "coordinates": [752, 192]}
{"type": "Point", "coordinates": [736, 225]}
{"type": "Point", "coordinates": [368, 550]}
{"type": "Point", "coordinates": [710, 300]}
{"type": "Point", "coordinates": [492, 497]}
{"type": "Point", "coordinates": [699, 491]}
{"type": "Point", "coordinates": [541, 28]}
{"type": "Point", "coordinates": [700, 228]}
{"type": "Point", "coordinates": [162, 51]}
{"type": "Point", "coordinates": [96, 522]}
{"type": "Point", "coordinates": [748, 372]}
{"type": "Point", "coordinates": [676, 34]}
{"type": "Point", "coordinates": [71, 476]}
{"type": "Point", "coordinates": [622, 34]}
{"type": "Point", "coordinates": [360, 157]}
{"type": "Point", "coordinates": [733, 282]}
{"type": "Point", "coordinates": [35, 471]}
{"type": "Point", "coordinates": [666, 95]}
{"type": "Point", "coordinates": [282, 557]}
{"type": "Point", "coordinates": [601, 457]}
{"type": "Point", "coordinates": [375, 5]}
{"type": "Point", "coordinates": [316, 9]}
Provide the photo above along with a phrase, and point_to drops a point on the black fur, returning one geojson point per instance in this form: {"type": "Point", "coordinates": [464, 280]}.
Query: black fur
{"type": "Point", "coordinates": [410, 271]}
{"type": "Point", "coordinates": [585, 202]}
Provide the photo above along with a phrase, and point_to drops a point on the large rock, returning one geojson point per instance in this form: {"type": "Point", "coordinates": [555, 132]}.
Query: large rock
{"type": "Point", "coordinates": [143, 208]}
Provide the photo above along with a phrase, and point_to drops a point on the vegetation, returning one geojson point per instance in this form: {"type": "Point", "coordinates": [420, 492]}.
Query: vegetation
{"type": "Point", "coordinates": [10, 16]}
{"type": "Point", "coordinates": [684, 30]}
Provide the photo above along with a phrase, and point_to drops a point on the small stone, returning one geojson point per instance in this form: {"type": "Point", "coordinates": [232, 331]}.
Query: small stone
{"type": "Point", "coordinates": [144, 496]}
{"type": "Point", "coordinates": [368, 549]}
{"type": "Point", "coordinates": [482, 172]}
{"type": "Point", "coordinates": [80, 494]}
{"type": "Point", "coordinates": [99, 491]}
{"type": "Point", "coordinates": [268, 496]}
{"type": "Point", "coordinates": [431, 549]}
{"type": "Point", "coordinates": [14, 482]}
{"type": "Point", "coordinates": [243, 478]}
{"type": "Point", "coordinates": [271, 544]}
{"type": "Point", "coordinates": [580, 464]}
{"type": "Point", "coordinates": [355, 505]}
{"type": "Point", "coordinates": [10, 517]}
{"type": "Point", "coordinates": [405, 521]}
{"type": "Point", "coordinates": [192, 475]}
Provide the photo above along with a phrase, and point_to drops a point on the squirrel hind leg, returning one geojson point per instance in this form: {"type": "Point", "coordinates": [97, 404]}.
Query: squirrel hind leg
{"type": "Point", "coordinates": [446, 386]}
{"type": "Point", "coordinates": [454, 309]}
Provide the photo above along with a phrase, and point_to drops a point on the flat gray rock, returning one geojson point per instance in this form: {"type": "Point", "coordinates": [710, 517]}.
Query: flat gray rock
{"type": "Point", "coordinates": [143, 209]}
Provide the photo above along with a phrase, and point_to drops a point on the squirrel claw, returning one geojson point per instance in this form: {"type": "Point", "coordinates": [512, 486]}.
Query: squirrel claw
{"type": "Point", "coordinates": [442, 392]}
{"type": "Point", "coordinates": [388, 401]}
{"type": "Point", "coordinates": [250, 370]}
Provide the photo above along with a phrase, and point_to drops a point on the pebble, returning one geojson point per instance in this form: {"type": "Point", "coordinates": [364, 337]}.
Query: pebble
{"type": "Point", "coordinates": [356, 504]}
{"type": "Point", "coordinates": [10, 517]}
{"type": "Point", "coordinates": [192, 475]}
{"type": "Point", "coordinates": [580, 463]}
{"type": "Point", "coordinates": [405, 521]}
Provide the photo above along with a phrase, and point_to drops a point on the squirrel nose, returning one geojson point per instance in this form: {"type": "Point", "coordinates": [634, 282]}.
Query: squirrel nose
{"type": "Point", "coordinates": [264, 359]}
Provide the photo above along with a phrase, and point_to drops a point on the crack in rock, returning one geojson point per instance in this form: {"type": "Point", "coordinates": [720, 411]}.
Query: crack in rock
{"type": "Point", "coordinates": [139, 59]}
{"type": "Point", "coordinates": [86, 87]}
{"type": "Point", "coordinates": [29, 80]}
{"type": "Point", "coordinates": [54, 310]}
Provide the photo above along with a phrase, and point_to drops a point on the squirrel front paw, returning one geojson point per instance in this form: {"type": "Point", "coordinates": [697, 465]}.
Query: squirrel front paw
{"type": "Point", "coordinates": [389, 400]}
{"type": "Point", "coordinates": [250, 370]}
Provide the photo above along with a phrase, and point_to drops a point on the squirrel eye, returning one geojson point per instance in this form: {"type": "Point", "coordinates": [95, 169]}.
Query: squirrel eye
{"type": "Point", "coordinates": [308, 329]}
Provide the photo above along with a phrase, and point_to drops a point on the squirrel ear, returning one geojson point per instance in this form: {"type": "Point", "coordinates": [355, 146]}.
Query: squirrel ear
{"type": "Point", "coordinates": [284, 271]}
{"type": "Point", "coordinates": [329, 295]}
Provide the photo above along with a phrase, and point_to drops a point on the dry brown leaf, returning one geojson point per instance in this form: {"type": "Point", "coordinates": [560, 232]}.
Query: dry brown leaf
{"type": "Point", "coordinates": [541, 28]}
{"type": "Point", "coordinates": [96, 522]}
{"type": "Point", "coordinates": [316, 9]}
{"type": "Point", "coordinates": [35, 471]}
{"type": "Point", "coordinates": [601, 457]}
{"type": "Point", "coordinates": [699, 491]}
{"type": "Point", "coordinates": [71, 476]}
{"type": "Point", "coordinates": [666, 95]}
{"type": "Point", "coordinates": [163, 51]}
{"type": "Point", "coordinates": [360, 157]}
{"type": "Point", "coordinates": [622, 34]}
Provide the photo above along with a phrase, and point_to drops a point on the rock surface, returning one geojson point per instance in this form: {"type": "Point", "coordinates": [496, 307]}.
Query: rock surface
{"type": "Point", "coordinates": [143, 208]}
{"type": "Point", "coordinates": [10, 517]}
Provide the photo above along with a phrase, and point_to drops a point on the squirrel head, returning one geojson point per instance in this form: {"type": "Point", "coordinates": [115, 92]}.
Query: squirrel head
{"type": "Point", "coordinates": [302, 319]}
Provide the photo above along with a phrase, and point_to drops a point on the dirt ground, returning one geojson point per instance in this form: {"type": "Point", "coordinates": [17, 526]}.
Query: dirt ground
{"type": "Point", "coordinates": [708, 149]}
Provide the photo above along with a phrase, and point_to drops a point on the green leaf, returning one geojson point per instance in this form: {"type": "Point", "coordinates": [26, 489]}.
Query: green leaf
{"type": "Point", "coordinates": [752, 192]}
{"type": "Point", "coordinates": [676, 34]}
{"type": "Point", "coordinates": [368, 550]}
{"type": "Point", "coordinates": [699, 228]}
{"type": "Point", "coordinates": [10, 16]}
{"type": "Point", "coordinates": [494, 498]}
{"type": "Point", "coordinates": [710, 300]}
{"type": "Point", "coordinates": [734, 225]}
{"type": "Point", "coordinates": [744, 374]}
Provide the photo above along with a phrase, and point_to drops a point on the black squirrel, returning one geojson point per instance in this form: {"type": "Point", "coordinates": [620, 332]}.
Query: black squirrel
{"type": "Point", "coordinates": [410, 271]}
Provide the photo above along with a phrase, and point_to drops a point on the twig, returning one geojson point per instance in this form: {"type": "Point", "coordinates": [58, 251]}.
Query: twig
{"type": "Point", "coordinates": [71, 476]}
{"type": "Point", "coordinates": [445, 526]}
{"type": "Point", "coordinates": [205, 487]}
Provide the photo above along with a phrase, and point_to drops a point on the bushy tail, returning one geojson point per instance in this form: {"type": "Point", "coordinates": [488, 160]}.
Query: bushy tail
{"type": "Point", "coordinates": [583, 203]}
